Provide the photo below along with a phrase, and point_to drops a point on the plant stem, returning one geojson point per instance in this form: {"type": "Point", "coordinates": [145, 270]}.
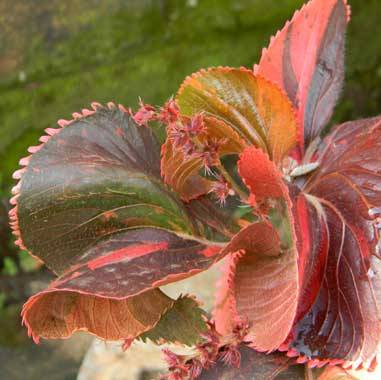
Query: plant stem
{"type": "Point", "coordinates": [308, 375]}
{"type": "Point", "coordinates": [228, 178]}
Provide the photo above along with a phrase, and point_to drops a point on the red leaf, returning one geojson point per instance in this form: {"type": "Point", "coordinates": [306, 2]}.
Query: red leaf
{"type": "Point", "coordinates": [261, 176]}
{"type": "Point", "coordinates": [263, 268]}
{"type": "Point", "coordinates": [338, 223]}
{"type": "Point", "coordinates": [337, 220]}
{"type": "Point", "coordinates": [306, 59]}
{"type": "Point", "coordinates": [261, 287]}
{"type": "Point", "coordinates": [117, 276]}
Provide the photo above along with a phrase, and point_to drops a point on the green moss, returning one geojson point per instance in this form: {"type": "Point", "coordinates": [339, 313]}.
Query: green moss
{"type": "Point", "coordinates": [10, 267]}
{"type": "Point", "coordinates": [2, 300]}
{"type": "Point", "coordinates": [11, 332]}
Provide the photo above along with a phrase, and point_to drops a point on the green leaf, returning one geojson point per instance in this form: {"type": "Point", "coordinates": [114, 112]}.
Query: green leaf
{"type": "Point", "coordinates": [10, 267]}
{"type": "Point", "coordinates": [95, 177]}
{"type": "Point", "coordinates": [3, 297]}
{"type": "Point", "coordinates": [183, 323]}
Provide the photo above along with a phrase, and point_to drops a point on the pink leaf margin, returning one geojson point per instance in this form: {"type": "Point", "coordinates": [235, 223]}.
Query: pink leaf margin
{"type": "Point", "coordinates": [24, 163]}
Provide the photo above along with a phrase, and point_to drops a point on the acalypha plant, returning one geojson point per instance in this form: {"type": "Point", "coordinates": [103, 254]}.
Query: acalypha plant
{"type": "Point", "coordinates": [243, 175]}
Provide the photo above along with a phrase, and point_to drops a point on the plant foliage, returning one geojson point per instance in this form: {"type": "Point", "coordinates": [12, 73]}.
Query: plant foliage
{"type": "Point", "coordinates": [244, 175]}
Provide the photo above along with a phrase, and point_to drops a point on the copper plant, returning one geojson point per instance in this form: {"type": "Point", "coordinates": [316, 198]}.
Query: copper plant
{"type": "Point", "coordinates": [245, 176]}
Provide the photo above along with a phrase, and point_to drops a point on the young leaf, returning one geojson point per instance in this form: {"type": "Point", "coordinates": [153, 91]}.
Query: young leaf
{"type": "Point", "coordinates": [254, 108]}
{"type": "Point", "coordinates": [184, 322]}
{"type": "Point", "coordinates": [338, 220]}
{"type": "Point", "coordinates": [181, 170]}
{"type": "Point", "coordinates": [306, 59]}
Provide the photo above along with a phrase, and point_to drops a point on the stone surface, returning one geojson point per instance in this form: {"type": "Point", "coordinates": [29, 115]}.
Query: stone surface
{"type": "Point", "coordinates": [20, 358]}
{"type": "Point", "coordinates": [58, 360]}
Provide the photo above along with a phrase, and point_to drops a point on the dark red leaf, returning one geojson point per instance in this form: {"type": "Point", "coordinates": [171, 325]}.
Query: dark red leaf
{"type": "Point", "coordinates": [339, 314]}
{"type": "Point", "coordinates": [337, 221]}
{"type": "Point", "coordinates": [136, 260]}
{"type": "Point", "coordinates": [306, 59]}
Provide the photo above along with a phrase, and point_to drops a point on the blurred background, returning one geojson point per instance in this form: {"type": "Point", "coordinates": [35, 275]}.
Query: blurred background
{"type": "Point", "coordinates": [56, 57]}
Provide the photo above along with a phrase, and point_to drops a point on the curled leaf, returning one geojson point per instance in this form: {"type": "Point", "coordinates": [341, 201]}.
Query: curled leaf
{"type": "Point", "coordinates": [57, 315]}
{"type": "Point", "coordinates": [116, 278]}
{"type": "Point", "coordinates": [97, 176]}
{"type": "Point", "coordinates": [261, 176]}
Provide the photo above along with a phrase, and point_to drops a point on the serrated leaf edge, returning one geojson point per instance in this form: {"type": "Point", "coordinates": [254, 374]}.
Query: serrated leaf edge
{"type": "Point", "coordinates": [256, 76]}
{"type": "Point", "coordinates": [24, 163]}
